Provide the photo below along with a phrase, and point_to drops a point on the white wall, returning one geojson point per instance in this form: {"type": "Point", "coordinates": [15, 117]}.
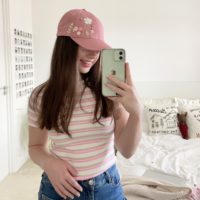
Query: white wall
{"type": "Point", "coordinates": [20, 17]}
{"type": "Point", "coordinates": [161, 36]}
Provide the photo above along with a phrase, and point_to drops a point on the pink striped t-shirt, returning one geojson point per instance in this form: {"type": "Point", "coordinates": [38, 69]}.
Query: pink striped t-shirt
{"type": "Point", "coordinates": [91, 149]}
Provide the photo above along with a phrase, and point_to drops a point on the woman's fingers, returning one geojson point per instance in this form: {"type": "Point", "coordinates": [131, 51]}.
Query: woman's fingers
{"type": "Point", "coordinates": [71, 189]}
{"type": "Point", "coordinates": [120, 83]}
{"type": "Point", "coordinates": [117, 82]}
{"type": "Point", "coordinates": [72, 170]}
{"type": "Point", "coordinates": [115, 89]}
{"type": "Point", "coordinates": [60, 192]}
{"type": "Point", "coordinates": [65, 192]}
{"type": "Point", "coordinates": [74, 183]}
{"type": "Point", "coordinates": [66, 189]}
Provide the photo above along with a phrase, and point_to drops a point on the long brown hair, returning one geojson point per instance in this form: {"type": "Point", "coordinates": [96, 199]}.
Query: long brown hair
{"type": "Point", "coordinates": [58, 92]}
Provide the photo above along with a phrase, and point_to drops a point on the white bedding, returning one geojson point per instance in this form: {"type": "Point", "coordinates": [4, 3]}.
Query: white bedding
{"type": "Point", "coordinates": [140, 188]}
{"type": "Point", "coordinates": [165, 156]}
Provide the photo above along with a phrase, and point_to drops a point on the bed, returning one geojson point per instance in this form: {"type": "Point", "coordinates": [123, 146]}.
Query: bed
{"type": "Point", "coordinates": [164, 166]}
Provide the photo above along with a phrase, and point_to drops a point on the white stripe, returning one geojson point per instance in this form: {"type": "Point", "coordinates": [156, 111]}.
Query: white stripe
{"type": "Point", "coordinates": [84, 136]}
{"type": "Point", "coordinates": [83, 146]}
{"type": "Point", "coordinates": [97, 170]}
{"type": "Point", "coordinates": [79, 118]}
{"type": "Point", "coordinates": [88, 126]}
{"type": "Point", "coordinates": [78, 142]}
{"type": "Point", "coordinates": [85, 155]}
{"type": "Point", "coordinates": [93, 162]}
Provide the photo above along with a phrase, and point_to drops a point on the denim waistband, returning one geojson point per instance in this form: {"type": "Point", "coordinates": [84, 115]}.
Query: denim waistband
{"type": "Point", "coordinates": [108, 176]}
{"type": "Point", "coordinates": [105, 177]}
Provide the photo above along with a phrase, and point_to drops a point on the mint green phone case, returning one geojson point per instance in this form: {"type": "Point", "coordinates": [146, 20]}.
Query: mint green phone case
{"type": "Point", "coordinates": [112, 62]}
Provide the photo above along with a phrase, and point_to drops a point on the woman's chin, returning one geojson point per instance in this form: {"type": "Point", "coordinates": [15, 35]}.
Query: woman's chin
{"type": "Point", "coordinates": [84, 70]}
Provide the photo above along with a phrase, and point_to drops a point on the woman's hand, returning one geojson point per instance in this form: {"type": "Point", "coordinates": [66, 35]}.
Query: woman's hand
{"type": "Point", "coordinates": [61, 174]}
{"type": "Point", "coordinates": [127, 94]}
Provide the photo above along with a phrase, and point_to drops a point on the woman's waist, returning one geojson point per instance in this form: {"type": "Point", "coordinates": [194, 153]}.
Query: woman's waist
{"type": "Point", "coordinates": [89, 165]}
{"type": "Point", "coordinates": [95, 173]}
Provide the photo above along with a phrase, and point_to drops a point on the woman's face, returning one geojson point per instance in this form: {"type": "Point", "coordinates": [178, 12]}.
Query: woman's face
{"type": "Point", "coordinates": [86, 59]}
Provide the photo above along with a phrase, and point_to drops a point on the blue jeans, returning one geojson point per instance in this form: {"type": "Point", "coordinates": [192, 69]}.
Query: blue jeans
{"type": "Point", "coordinates": [105, 186]}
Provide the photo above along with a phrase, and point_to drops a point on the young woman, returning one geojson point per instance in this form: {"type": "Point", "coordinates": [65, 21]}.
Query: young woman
{"type": "Point", "coordinates": [82, 124]}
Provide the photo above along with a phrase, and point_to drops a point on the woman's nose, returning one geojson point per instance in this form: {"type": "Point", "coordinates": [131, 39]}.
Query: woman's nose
{"type": "Point", "coordinates": [93, 53]}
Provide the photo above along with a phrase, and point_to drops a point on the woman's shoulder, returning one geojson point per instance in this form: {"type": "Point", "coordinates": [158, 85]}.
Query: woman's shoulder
{"type": "Point", "coordinates": [36, 94]}
{"type": "Point", "coordinates": [38, 90]}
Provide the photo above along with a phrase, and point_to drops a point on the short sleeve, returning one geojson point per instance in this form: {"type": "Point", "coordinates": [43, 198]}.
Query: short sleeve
{"type": "Point", "coordinates": [34, 110]}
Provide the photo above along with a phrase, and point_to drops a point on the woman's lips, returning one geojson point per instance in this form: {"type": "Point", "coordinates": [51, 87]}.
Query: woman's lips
{"type": "Point", "coordinates": [86, 64]}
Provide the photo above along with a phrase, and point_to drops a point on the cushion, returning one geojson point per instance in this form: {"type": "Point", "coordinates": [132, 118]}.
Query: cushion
{"type": "Point", "coordinates": [183, 102]}
{"type": "Point", "coordinates": [193, 120]}
{"type": "Point", "coordinates": [162, 119]}
{"type": "Point", "coordinates": [192, 107]}
{"type": "Point", "coordinates": [152, 101]}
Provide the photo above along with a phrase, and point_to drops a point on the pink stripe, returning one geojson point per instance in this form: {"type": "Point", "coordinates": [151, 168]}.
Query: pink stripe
{"type": "Point", "coordinates": [58, 149]}
{"type": "Point", "coordinates": [83, 130]}
{"type": "Point", "coordinates": [107, 151]}
{"type": "Point", "coordinates": [91, 141]}
{"type": "Point", "coordinates": [88, 121]}
{"type": "Point", "coordinates": [110, 158]}
{"type": "Point", "coordinates": [74, 115]}
{"type": "Point", "coordinates": [67, 139]}
{"type": "Point", "coordinates": [83, 108]}
{"type": "Point", "coordinates": [195, 195]}
{"type": "Point", "coordinates": [95, 130]}
{"type": "Point", "coordinates": [95, 174]}
{"type": "Point", "coordinates": [78, 160]}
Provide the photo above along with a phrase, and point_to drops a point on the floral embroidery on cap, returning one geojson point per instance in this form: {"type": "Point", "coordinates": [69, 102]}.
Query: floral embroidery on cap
{"type": "Point", "coordinates": [70, 27]}
{"type": "Point", "coordinates": [87, 33]}
{"type": "Point", "coordinates": [75, 29]}
{"type": "Point", "coordinates": [87, 20]}
{"type": "Point", "coordinates": [86, 28]}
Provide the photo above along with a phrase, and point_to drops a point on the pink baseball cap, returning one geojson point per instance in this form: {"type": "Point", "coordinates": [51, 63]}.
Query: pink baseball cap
{"type": "Point", "coordinates": [84, 28]}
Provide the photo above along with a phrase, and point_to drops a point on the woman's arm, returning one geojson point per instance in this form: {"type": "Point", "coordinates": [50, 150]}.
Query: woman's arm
{"type": "Point", "coordinates": [127, 132]}
{"type": "Point", "coordinates": [60, 173]}
{"type": "Point", "coordinates": [127, 115]}
{"type": "Point", "coordinates": [38, 150]}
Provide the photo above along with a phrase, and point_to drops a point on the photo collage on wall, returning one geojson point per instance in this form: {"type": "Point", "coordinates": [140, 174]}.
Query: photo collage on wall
{"type": "Point", "coordinates": [24, 71]}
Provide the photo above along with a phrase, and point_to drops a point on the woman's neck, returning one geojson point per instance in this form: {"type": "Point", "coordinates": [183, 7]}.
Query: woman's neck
{"type": "Point", "coordinates": [80, 86]}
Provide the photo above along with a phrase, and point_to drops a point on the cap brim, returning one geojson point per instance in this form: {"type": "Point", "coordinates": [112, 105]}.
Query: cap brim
{"type": "Point", "coordinates": [91, 44]}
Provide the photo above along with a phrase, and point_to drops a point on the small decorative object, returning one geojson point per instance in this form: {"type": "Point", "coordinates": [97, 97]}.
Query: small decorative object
{"type": "Point", "coordinates": [183, 125]}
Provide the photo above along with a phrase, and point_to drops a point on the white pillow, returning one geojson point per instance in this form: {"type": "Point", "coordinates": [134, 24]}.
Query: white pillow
{"type": "Point", "coordinates": [145, 126]}
{"type": "Point", "coordinates": [158, 101]}
{"type": "Point", "coordinates": [151, 102]}
{"type": "Point", "coordinates": [162, 119]}
{"type": "Point", "coordinates": [183, 102]}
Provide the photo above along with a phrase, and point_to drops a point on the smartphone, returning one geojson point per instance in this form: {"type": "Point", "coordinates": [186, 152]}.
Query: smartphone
{"type": "Point", "coordinates": [112, 62]}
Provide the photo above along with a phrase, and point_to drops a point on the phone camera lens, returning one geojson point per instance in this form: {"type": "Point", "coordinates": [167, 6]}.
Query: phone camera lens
{"type": "Point", "coordinates": [120, 57]}
{"type": "Point", "coordinates": [120, 53]}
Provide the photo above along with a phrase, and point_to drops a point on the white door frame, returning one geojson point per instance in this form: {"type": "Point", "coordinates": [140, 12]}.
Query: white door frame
{"type": "Point", "coordinates": [9, 83]}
